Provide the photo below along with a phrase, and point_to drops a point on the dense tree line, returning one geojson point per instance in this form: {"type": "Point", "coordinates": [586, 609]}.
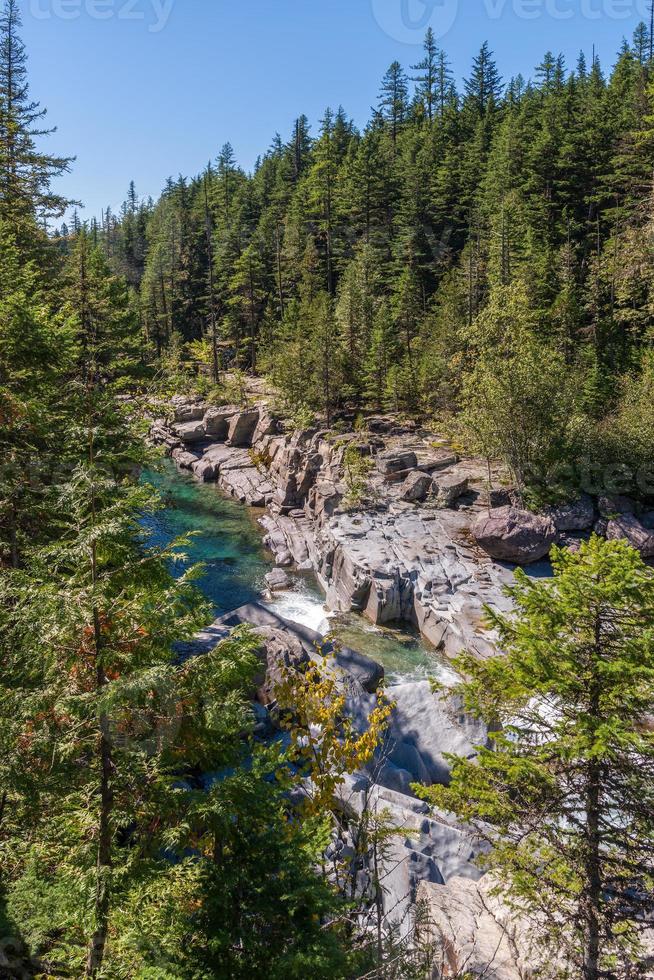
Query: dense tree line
{"type": "Point", "coordinates": [374, 269]}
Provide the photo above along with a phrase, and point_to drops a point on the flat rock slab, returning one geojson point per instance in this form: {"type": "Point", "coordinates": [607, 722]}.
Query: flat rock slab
{"type": "Point", "coordinates": [482, 935]}
{"type": "Point", "coordinates": [396, 461]}
{"type": "Point", "coordinates": [417, 566]}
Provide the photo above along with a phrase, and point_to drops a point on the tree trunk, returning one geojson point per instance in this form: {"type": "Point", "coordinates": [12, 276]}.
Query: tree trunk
{"type": "Point", "coordinates": [103, 865]}
{"type": "Point", "coordinates": [592, 870]}
{"type": "Point", "coordinates": [593, 877]}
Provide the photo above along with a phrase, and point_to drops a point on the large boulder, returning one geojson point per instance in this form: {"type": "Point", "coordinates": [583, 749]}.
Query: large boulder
{"type": "Point", "coordinates": [628, 528]}
{"type": "Point", "coordinates": [242, 427]}
{"type": "Point", "coordinates": [217, 421]}
{"type": "Point", "coordinates": [448, 488]}
{"type": "Point", "coordinates": [280, 651]}
{"type": "Point", "coordinates": [576, 515]}
{"type": "Point", "coordinates": [190, 432]}
{"type": "Point", "coordinates": [362, 669]}
{"type": "Point", "coordinates": [396, 461]}
{"type": "Point", "coordinates": [416, 487]}
{"type": "Point", "coordinates": [277, 580]}
{"type": "Point", "coordinates": [513, 535]}
{"type": "Point", "coordinates": [611, 506]}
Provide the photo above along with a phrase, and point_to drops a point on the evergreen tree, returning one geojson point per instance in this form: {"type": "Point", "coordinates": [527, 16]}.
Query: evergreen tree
{"type": "Point", "coordinates": [565, 789]}
{"type": "Point", "coordinates": [393, 99]}
{"type": "Point", "coordinates": [430, 79]}
{"type": "Point", "coordinates": [483, 89]}
{"type": "Point", "coordinates": [26, 173]}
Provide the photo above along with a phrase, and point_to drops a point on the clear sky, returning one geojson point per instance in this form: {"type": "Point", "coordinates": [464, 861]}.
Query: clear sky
{"type": "Point", "coordinates": [145, 89]}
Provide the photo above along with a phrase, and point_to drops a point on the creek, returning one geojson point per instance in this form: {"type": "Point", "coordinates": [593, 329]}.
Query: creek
{"type": "Point", "coordinates": [228, 541]}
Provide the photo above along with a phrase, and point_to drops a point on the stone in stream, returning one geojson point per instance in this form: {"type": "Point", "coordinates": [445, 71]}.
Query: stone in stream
{"type": "Point", "coordinates": [185, 458]}
{"type": "Point", "coordinates": [513, 535]}
{"type": "Point", "coordinates": [277, 580]}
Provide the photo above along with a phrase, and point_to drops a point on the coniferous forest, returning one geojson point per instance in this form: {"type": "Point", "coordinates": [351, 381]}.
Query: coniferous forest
{"type": "Point", "coordinates": [478, 260]}
{"type": "Point", "coordinates": [378, 268]}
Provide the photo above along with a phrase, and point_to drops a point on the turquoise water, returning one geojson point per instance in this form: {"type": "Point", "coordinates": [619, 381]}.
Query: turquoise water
{"type": "Point", "coordinates": [230, 545]}
{"type": "Point", "coordinates": [229, 541]}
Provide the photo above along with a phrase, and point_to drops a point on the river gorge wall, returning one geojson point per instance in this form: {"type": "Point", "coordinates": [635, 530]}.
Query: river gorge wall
{"type": "Point", "coordinates": [392, 522]}
{"type": "Point", "coordinates": [402, 550]}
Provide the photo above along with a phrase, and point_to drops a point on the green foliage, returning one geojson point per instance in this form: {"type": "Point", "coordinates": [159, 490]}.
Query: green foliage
{"type": "Point", "coordinates": [356, 471]}
{"type": "Point", "coordinates": [517, 400]}
{"type": "Point", "coordinates": [354, 268]}
{"type": "Point", "coordinates": [249, 901]}
{"type": "Point", "coordinates": [563, 792]}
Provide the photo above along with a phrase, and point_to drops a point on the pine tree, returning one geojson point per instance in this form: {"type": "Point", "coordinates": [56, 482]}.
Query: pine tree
{"type": "Point", "coordinates": [565, 789]}
{"type": "Point", "coordinates": [247, 295]}
{"type": "Point", "coordinates": [393, 99]}
{"type": "Point", "coordinates": [516, 397]}
{"type": "Point", "coordinates": [428, 81]}
{"type": "Point", "coordinates": [25, 172]}
{"type": "Point", "coordinates": [483, 89]}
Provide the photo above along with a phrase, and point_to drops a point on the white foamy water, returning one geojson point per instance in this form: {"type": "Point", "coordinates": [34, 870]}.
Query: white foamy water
{"type": "Point", "coordinates": [299, 606]}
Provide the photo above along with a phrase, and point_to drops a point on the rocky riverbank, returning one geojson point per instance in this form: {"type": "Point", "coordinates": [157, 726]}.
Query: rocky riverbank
{"type": "Point", "coordinates": [423, 541]}
{"type": "Point", "coordinates": [408, 531]}
{"type": "Point", "coordinates": [403, 551]}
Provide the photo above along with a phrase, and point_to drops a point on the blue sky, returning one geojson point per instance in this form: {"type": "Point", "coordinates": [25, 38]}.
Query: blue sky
{"type": "Point", "coordinates": [144, 89]}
